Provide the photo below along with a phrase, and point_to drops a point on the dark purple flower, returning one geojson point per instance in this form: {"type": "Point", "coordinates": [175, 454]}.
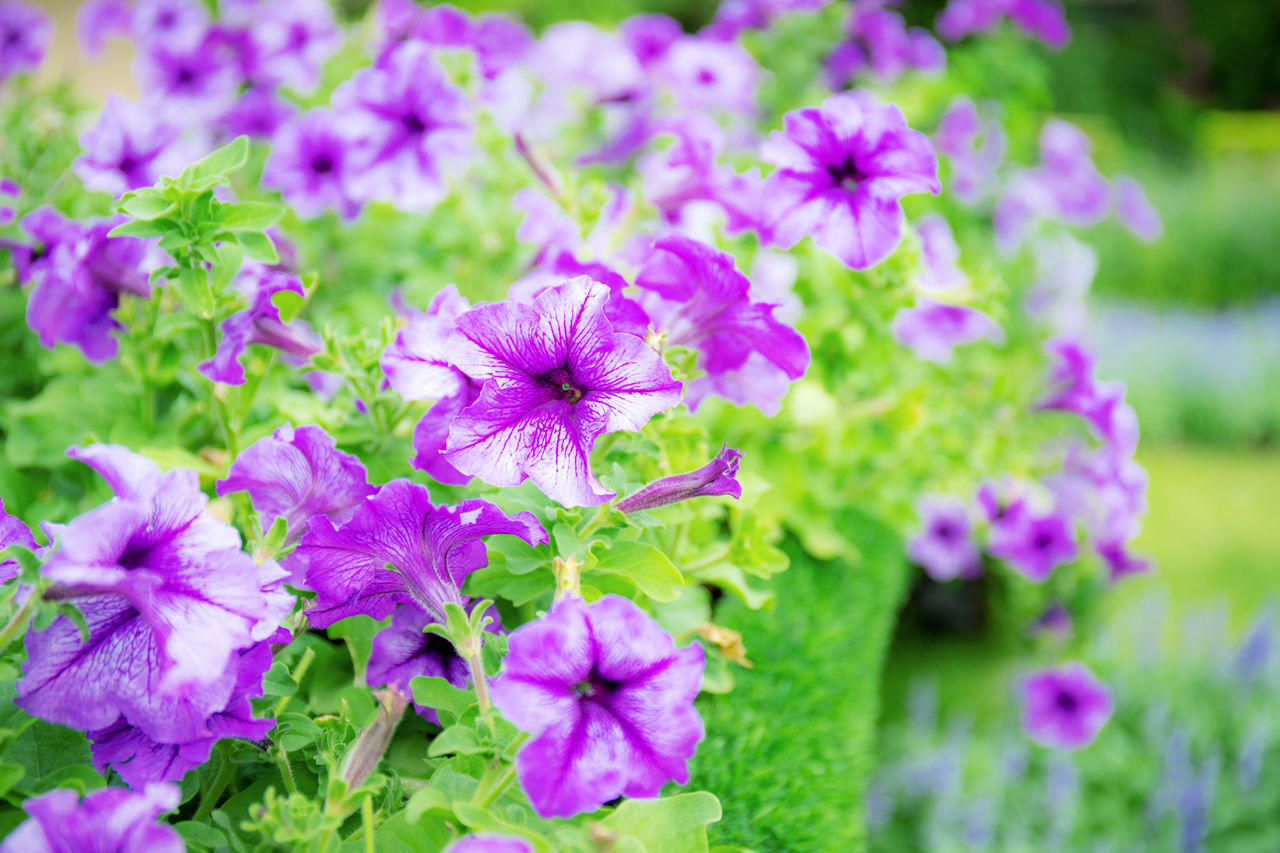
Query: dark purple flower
{"type": "Point", "coordinates": [258, 112]}
{"type": "Point", "coordinates": [700, 300]}
{"type": "Point", "coordinates": [109, 819]}
{"type": "Point", "coordinates": [608, 699]}
{"type": "Point", "coordinates": [413, 125]}
{"type": "Point", "coordinates": [842, 169]}
{"type": "Point", "coordinates": [398, 547]}
{"type": "Point", "coordinates": [191, 84]}
{"type": "Point", "coordinates": [554, 376]}
{"type": "Point", "coordinates": [169, 599]}
{"type": "Point", "coordinates": [1065, 707]}
{"type": "Point", "coordinates": [175, 23]}
{"type": "Point", "coordinates": [717, 477]}
{"type": "Point", "coordinates": [99, 20]}
{"type": "Point", "coordinates": [417, 363]}
{"type": "Point", "coordinates": [932, 330]}
{"type": "Point", "coordinates": [650, 36]}
{"type": "Point", "coordinates": [25, 31]}
{"type": "Point", "coordinates": [260, 323]}
{"type": "Point", "coordinates": [298, 474]}
{"type": "Point", "coordinates": [12, 532]}
{"type": "Point", "coordinates": [944, 546]}
{"type": "Point", "coordinates": [974, 146]}
{"type": "Point", "coordinates": [130, 146]}
{"type": "Point", "coordinates": [312, 165]}
{"type": "Point", "coordinates": [1135, 211]}
{"type": "Point", "coordinates": [487, 843]}
{"type": "Point", "coordinates": [1035, 545]}
{"type": "Point", "coordinates": [431, 436]}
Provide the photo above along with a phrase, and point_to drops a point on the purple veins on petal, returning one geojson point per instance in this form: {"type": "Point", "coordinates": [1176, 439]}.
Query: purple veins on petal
{"type": "Point", "coordinates": [1065, 707]}
{"type": "Point", "coordinates": [106, 819]}
{"type": "Point", "coordinates": [717, 477]}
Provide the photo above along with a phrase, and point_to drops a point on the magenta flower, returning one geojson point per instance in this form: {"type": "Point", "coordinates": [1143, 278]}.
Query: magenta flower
{"type": "Point", "coordinates": [608, 699]}
{"type": "Point", "coordinates": [974, 145]}
{"type": "Point", "coordinates": [260, 323]}
{"type": "Point", "coordinates": [877, 40]}
{"type": "Point", "coordinates": [700, 299]}
{"type": "Point", "coordinates": [413, 126]}
{"type": "Point", "coordinates": [842, 169]}
{"type": "Point", "coordinates": [312, 165]}
{"type": "Point", "coordinates": [487, 843]}
{"type": "Point", "coordinates": [25, 32]}
{"type": "Point", "coordinates": [1135, 211]}
{"type": "Point", "coordinates": [107, 819]}
{"type": "Point", "coordinates": [398, 547]}
{"type": "Point", "coordinates": [97, 21]}
{"type": "Point", "coordinates": [12, 532]}
{"type": "Point", "coordinates": [258, 112]}
{"type": "Point", "coordinates": [431, 436]}
{"type": "Point", "coordinates": [554, 376]}
{"type": "Point", "coordinates": [130, 146]}
{"type": "Point", "coordinates": [650, 36]}
{"type": "Point", "coordinates": [292, 39]}
{"type": "Point", "coordinates": [417, 363]}
{"type": "Point", "coordinates": [717, 477]}
{"type": "Point", "coordinates": [944, 545]}
{"type": "Point", "coordinates": [1065, 707]}
{"type": "Point", "coordinates": [932, 330]}
{"type": "Point", "coordinates": [1035, 545]}
{"type": "Point", "coordinates": [169, 599]}
{"type": "Point", "coordinates": [1120, 561]}
{"type": "Point", "coordinates": [1065, 187]}
{"type": "Point", "coordinates": [298, 474]}
{"type": "Point", "coordinates": [402, 651]}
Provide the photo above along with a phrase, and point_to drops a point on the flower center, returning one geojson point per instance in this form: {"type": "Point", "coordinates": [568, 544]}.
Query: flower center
{"type": "Point", "coordinates": [706, 76]}
{"type": "Point", "coordinates": [595, 686]}
{"type": "Point", "coordinates": [1066, 702]}
{"type": "Point", "coordinates": [414, 124]}
{"type": "Point", "coordinates": [565, 387]}
{"type": "Point", "coordinates": [1042, 541]}
{"type": "Point", "coordinates": [322, 165]}
{"type": "Point", "coordinates": [944, 531]}
{"type": "Point", "coordinates": [846, 174]}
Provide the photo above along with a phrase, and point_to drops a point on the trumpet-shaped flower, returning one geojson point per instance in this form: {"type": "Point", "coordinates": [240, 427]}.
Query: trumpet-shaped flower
{"type": "Point", "coordinates": [12, 532]}
{"type": "Point", "coordinates": [260, 323]}
{"type": "Point", "coordinates": [417, 363]}
{"type": "Point", "coordinates": [107, 819]}
{"type": "Point", "coordinates": [1035, 544]}
{"type": "Point", "coordinates": [1065, 707]}
{"type": "Point", "coordinates": [129, 146]}
{"type": "Point", "coordinates": [717, 477]}
{"type": "Point", "coordinates": [944, 546]}
{"type": "Point", "coordinates": [932, 330]}
{"type": "Point", "coordinates": [25, 32]}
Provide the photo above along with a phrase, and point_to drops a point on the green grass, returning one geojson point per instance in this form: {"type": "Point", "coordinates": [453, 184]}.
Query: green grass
{"type": "Point", "coordinates": [789, 750]}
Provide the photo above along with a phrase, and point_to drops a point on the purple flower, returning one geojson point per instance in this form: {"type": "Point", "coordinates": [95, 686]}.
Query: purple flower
{"type": "Point", "coordinates": [169, 599]}
{"type": "Point", "coordinates": [417, 363]}
{"type": "Point", "coordinates": [487, 843]}
{"type": "Point", "coordinates": [1065, 187]}
{"type": "Point", "coordinates": [258, 112]}
{"type": "Point", "coordinates": [1135, 211]}
{"type": "Point", "coordinates": [99, 20]}
{"type": "Point", "coordinates": [733, 16]}
{"type": "Point", "coordinates": [877, 40]}
{"type": "Point", "coordinates": [107, 819]}
{"type": "Point", "coordinates": [650, 36]}
{"type": "Point", "coordinates": [717, 477]}
{"type": "Point", "coordinates": [25, 32]}
{"type": "Point", "coordinates": [292, 40]}
{"type": "Point", "coordinates": [399, 547]}
{"type": "Point", "coordinates": [260, 323]}
{"type": "Point", "coordinates": [176, 23]}
{"type": "Point", "coordinates": [1120, 561]}
{"type": "Point", "coordinates": [940, 256]}
{"type": "Point", "coordinates": [8, 190]}
{"type": "Point", "coordinates": [1035, 545]}
{"type": "Point", "coordinates": [12, 532]}
{"type": "Point", "coordinates": [974, 145]}
{"type": "Point", "coordinates": [700, 299]}
{"type": "Point", "coordinates": [944, 545]}
{"type": "Point", "coordinates": [932, 330]}
{"type": "Point", "coordinates": [842, 169]}
{"type": "Point", "coordinates": [130, 146]}
{"type": "Point", "coordinates": [191, 83]}
{"type": "Point", "coordinates": [1065, 707]}
{"type": "Point", "coordinates": [413, 124]}
{"type": "Point", "coordinates": [708, 75]}
{"type": "Point", "coordinates": [554, 376]}
{"type": "Point", "coordinates": [431, 436]}
{"type": "Point", "coordinates": [312, 164]}
{"type": "Point", "coordinates": [1040, 18]}
{"type": "Point", "coordinates": [1055, 620]}
{"type": "Point", "coordinates": [298, 474]}
{"type": "Point", "coordinates": [608, 699]}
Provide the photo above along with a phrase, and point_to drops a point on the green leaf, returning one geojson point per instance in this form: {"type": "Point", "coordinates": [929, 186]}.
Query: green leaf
{"type": "Point", "coordinates": [229, 259]}
{"type": "Point", "coordinates": [278, 681]}
{"type": "Point", "coordinates": [646, 566]}
{"type": "Point", "coordinates": [216, 164]}
{"type": "Point", "coordinates": [147, 204]}
{"type": "Point", "coordinates": [250, 216]}
{"type": "Point", "coordinates": [358, 631]}
{"type": "Point", "coordinates": [484, 820]}
{"type": "Point", "coordinates": [567, 542]}
{"type": "Point", "coordinates": [200, 836]}
{"type": "Point", "coordinates": [44, 749]}
{"type": "Point", "coordinates": [10, 775]}
{"type": "Point", "coordinates": [441, 695]}
{"type": "Point", "coordinates": [288, 302]}
{"type": "Point", "coordinates": [460, 740]}
{"type": "Point", "coordinates": [145, 228]}
{"type": "Point", "coordinates": [670, 825]}
{"type": "Point", "coordinates": [258, 247]}
{"type": "Point", "coordinates": [294, 731]}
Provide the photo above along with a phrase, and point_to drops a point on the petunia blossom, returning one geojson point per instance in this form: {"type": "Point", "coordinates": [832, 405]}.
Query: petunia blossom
{"type": "Point", "coordinates": [554, 376]}
{"type": "Point", "coordinates": [312, 164]}
{"type": "Point", "coordinates": [975, 146]}
{"type": "Point", "coordinates": [259, 323]}
{"type": "Point", "coordinates": [489, 843]}
{"type": "Point", "coordinates": [190, 83]}
{"type": "Point", "coordinates": [939, 255]}
{"type": "Point", "coordinates": [842, 168]}
{"type": "Point", "coordinates": [709, 75]}
{"type": "Point", "coordinates": [293, 39]}
{"type": "Point", "coordinates": [1036, 545]}
{"type": "Point", "coordinates": [944, 546]}
{"type": "Point", "coordinates": [717, 477]}
{"type": "Point", "coordinates": [878, 41]}
{"type": "Point", "coordinates": [130, 146]}
{"type": "Point", "coordinates": [1135, 211]}
{"type": "Point", "coordinates": [417, 362]}
{"type": "Point", "coordinates": [431, 436]}
{"type": "Point", "coordinates": [12, 532]}
{"type": "Point", "coordinates": [399, 547]}
{"type": "Point", "coordinates": [932, 329]}
{"type": "Point", "coordinates": [108, 819]}
{"type": "Point", "coordinates": [25, 33]}
{"type": "Point", "coordinates": [177, 23]}
{"type": "Point", "coordinates": [1042, 19]}
{"type": "Point", "coordinates": [608, 698]}
{"type": "Point", "coordinates": [99, 20]}
{"type": "Point", "coordinates": [1065, 707]}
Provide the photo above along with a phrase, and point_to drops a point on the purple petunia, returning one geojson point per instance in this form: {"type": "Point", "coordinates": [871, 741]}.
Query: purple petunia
{"type": "Point", "coordinates": [878, 40]}
{"type": "Point", "coordinates": [944, 546]}
{"type": "Point", "coordinates": [431, 436]}
{"type": "Point", "coordinates": [554, 376]}
{"type": "Point", "coordinates": [260, 323]}
{"type": "Point", "coordinates": [130, 146]}
{"type": "Point", "coordinates": [1042, 19]}
{"type": "Point", "coordinates": [1065, 707]}
{"type": "Point", "coordinates": [12, 532]}
{"type": "Point", "coordinates": [1135, 211]}
{"type": "Point", "coordinates": [312, 165]}
{"type": "Point", "coordinates": [699, 299]}
{"type": "Point", "coordinates": [25, 32]}
{"type": "Point", "coordinates": [842, 169]}
{"type": "Point", "coordinates": [487, 843]}
{"type": "Point", "coordinates": [974, 145]}
{"type": "Point", "coordinates": [177, 23]}
{"type": "Point", "coordinates": [191, 84]}
{"type": "Point", "coordinates": [292, 39]}
{"type": "Point", "coordinates": [417, 362]}
{"type": "Point", "coordinates": [717, 477]}
{"type": "Point", "coordinates": [650, 36]}
{"type": "Point", "coordinates": [932, 330]}
{"type": "Point", "coordinates": [940, 256]}
{"type": "Point", "coordinates": [608, 699]}
{"type": "Point", "coordinates": [1035, 544]}
{"type": "Point", "coordinates": [97, 21]}
{"type": "Point", "coordinates": [107, 819]}
{"type": "Point", "coordinates": [398, 547]}
{"type": "Point", "coordinates": [258, 112]}
{"type": "Point", "coordinates": [705, 75]}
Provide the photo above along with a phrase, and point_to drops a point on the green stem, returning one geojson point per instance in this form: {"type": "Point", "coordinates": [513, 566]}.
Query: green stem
{"type": "Point", "coordinates": [594, 524]}
{"type": "Point", "coordinates": [477, 677]}
{"type": "Point", "coordinates": [18, 621]}
{"type": "Point", "coordinates": [286, 769]}
{"type": "Point", "coordinates": [298, 672]}
{"type": "Point", "coordinates": [706, 562]}
{"type": "Point", "coordinates": [210, 798]}
{"type": "Point", "coordinates": [366, 819]}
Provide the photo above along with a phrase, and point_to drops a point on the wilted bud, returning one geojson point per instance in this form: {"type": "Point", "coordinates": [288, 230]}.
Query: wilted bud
{"type": "Point", "coordinates": [717, 477]}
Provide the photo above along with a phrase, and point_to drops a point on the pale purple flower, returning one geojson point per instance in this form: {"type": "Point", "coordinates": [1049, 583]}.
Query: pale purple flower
{"type": "Point", "coordinates": [877, 40]}
{"type": "Point", "coordinates": [1135, 211]}
{"type": "Point", "coordinates": [8, 190]}
{"type": "Point", "coordinates": [190, 84]}
{"type": "Point", "coordinates": [417, 363]}
{"type": "Point", "coordinates": [1120, 561]}
{"type": "Point", "coordinates": [1042, 19]}
{"type": "Point", "coordinates": [402, 651]}
{"type": "Point", "coordinates": [298, 474]}
{"type": "Point", "coordinates": [431, 436]}
{"type": "Point", "coordinates": [650, 36]}
{"type": "Point", "coordinates": [1035, 545]}
{"type": "Point", "coordinates": [99, 20]}
{"type": "Point", "coordinates": [733, 16]}
{"type": "Point", "coordinates": [25, 32]}
{"type": "Point", "coordinates": [940, 256]}
{"type": "Point", "coordinates": [258, 112]}
{"type": "Point", "coordinates": [1004, 504]}
{"type": "Point", "coordinates": [312, 164]}
{"type": "Point", "coordinates": [398, 547]}
{"type": "Point", "coordinates": [292, 40]}
{"type": "Point", "coordinates": [700, 300]}
{"type": "Point", "coordinates": [130, 146]}
{"type": "Point", "coordinates": [842, 169]}
{"type": "Point", "coordinates": [487, 843]}
{"type": "Point", "coordinates": [717, 477]}
{"type": "Point", "coordinates": [260, 323]}
{"type": "Point", "coordinates": [108, 819]}
{"type": "Point", "coordinates": [608, 699]}
{"type": "Point", "coordinates": [173, 23]}
{"type": "Point", "coordinates": [168, 597]}
{"type": "Point", "coordinates": [975, 147]}
{"type": "Point", "coordinates": [413, 125]}
{"type": "Point", "coordinates": [1065, 268]}
{"type": "Point", "coordinates": [932, 330]}
{"type": "Point", "coordinates": [554, 376]}
{"type": "Point", "coordinates": [1065, 707]}
{"type": "Point", "coordinates": [705, 75]}
{"type": "Point", "coordinates": [12, 532]}
{"type": "Point", "coordinates": [1055, 620]}
{"type": "Point", "coordinates": [944, 546]}
{"type": "Point", "coordinates": [1065, 187]}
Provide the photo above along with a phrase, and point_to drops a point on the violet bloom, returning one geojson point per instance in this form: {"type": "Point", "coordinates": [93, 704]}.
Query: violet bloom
{"type": "Point", "coordinates": [717, 477]}
{"type": "Point", "coordinates": [12, 532]}
{"type": "Point", "coordinates": [1065, 707]}
{"type": "Point", "coordinates": [554, 376]}
{"type": "Point", "coordinates": [707, 75]}
{"type": "Point", "coordinates": [258, 112]}
{"type": "Point", "coordinates": [975, 147]}
{"type": "Point", "coordinates": [298, 474]}
{"type": "Point", "coordinates": [940, 256]}
{"type": "Point", "coordinates": [108, 819]}
{"type": "Point", "coordinates": [8, 190]}
{"type": "Point", "coordinates": [932, 330]}
{"type": "Point", "coordinates": [1065, 268]}
{"type": "Point", "coordinates": [608, 699]}
{"type": "Point", "coordinates": [1135, 211]}
{"type": "Point", "coordinates": [312, 165]}
{"type": "Point", "coordinates": [699, 298]}
{"type": "Point", "coordinates": [191, 84]}
{"type": "Point", "coordinates": [130, 146]}
{"type": "Point", "coordinates": [877, 40]}
{"type": "Point", "coordinates": [1055, 620]}
{"type": "Point", "coordinates": [414, 126]}
{"type": "Point", "coordinates": [25, 32]}
{"type": "Point", "coordinates": [1042, 19]}
{"type": "Point", "coordinates": [944, 546]}
{"type": "Point", "coordinates": [260, 323]}
{"type": "Point", "coordinates": [1036, 545]}
{"type": "Point", "coordinates": [399, 547]}
{"type": "Point", "coordinates": [650, 36]}
{"type": "Point", "coordinates": [292, 40]}
{"type": "Point", "coordinates": [431, 436]}
{"type": "Point", "coordinates": [842, 169]}
{"type": "Point", "coordinates": [417, 363]}
{"type": "Point", "coordinates": [175, 23]}
{"type": "Point", "coordinates": [99, 20]}
{"type": "Point", "coordinates": [487, 843]}
{"type": "Point", "coordinates": [169, 599]}
{"type": "Point", "coordinates": [1120, 561]}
